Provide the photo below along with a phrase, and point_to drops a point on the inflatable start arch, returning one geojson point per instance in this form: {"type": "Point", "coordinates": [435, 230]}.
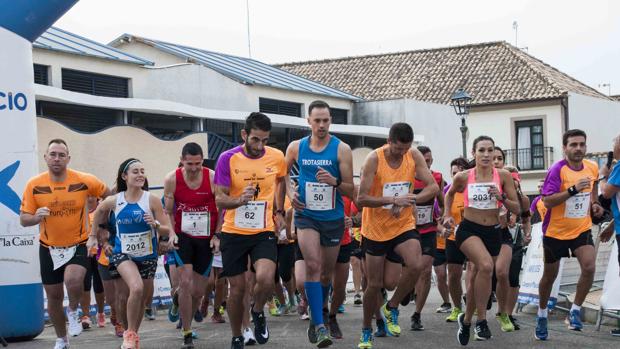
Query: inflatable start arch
{"type": "Point", "coordinates": [21, 292]}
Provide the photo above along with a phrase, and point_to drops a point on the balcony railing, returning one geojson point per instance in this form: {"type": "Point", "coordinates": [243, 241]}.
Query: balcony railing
{"type": "Point", "coordinates": [529, 159]}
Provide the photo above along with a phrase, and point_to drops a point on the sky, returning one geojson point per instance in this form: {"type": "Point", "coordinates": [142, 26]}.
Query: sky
{"type": "Point", "coordinates": [580, 38]}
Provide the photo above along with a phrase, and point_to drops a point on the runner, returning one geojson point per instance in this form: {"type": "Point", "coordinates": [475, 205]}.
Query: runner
{"type": "Point", "coordinates": [569, 193]}
{"type": "Point", "coordinates": [426, 225]}
{"type": "Point", "coordinates": [538, 209]}
{"type": "Point", "coordinates": [133, 249]}
{"type": "Point", "coordinates": [341, 272]}
{"type": "Point", "coordinates": [388, 224]}
{"type": "Point", "coordinates": [454, 257]}
{"type": "Point", "coordinates": [190, 205]}
{"type": "Point", "coordinates": [247, 180]}
{"type": "Point", "coordinates": [484, 189]}
{"type": "Point", "coordinates": [58, 199]}
{"type": "Point", "coordinates": [325, 174]}
{"type": "Point", "coordinates": [92, 280]}
{"type": "Point", "coordinates": [610, 187]}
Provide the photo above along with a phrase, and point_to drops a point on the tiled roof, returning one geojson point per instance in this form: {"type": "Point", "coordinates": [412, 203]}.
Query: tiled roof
{"type": "Point", "coordinates": [492, 73]}
{"type": "Point", "coordinates": [56, 39]}
{"type": "Point", "coordinates": [244, 70]}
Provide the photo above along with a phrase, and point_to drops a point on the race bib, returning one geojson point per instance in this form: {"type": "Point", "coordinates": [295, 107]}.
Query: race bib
{"type": "Point", "coordinates": [479, 196]}
{"type": "Point", "coordinates": [320, 196]}
{"type": "Point", "coordinates": [251, 215]}
{"type": "Point", "coordinates": [578, 206]}
{"type": "Point", "coordinates": [395, 189]}
{"type": "Point", "coordinates": [61, 255]}
{"type": "Point", "coordinates": [196, 223]}
{"type": "Point", "coordinates": [137, 244]}
{"type": "Point", "coordinates": [425, 215]}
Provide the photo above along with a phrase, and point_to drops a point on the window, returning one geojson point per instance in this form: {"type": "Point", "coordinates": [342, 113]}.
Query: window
{"type": "Point", "coordinates": [273, 106]}
{"type": "Point", "coordinates": [80, 118]}
{"type": "Point", "coordinates": [530, 147]}
{"type": "Point", "coordinates": [40, 74]}
{"type": "Point", "coordinates": [339, 116]}
{"type": "Point", "coordinates": [168, 127]}
{"type": "Point", "coordinates": [95, 84]}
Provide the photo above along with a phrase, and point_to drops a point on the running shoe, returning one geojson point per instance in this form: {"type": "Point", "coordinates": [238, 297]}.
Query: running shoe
{"type": "Point", "coordinates": [334, 328]}
{"type": "Point", "coordinates": [61, 344]}
{"type": "Point", "coordinates": [615, 333]}
{"type": "Point", "coordinates": [305, 316]}
{"type": "Point", "coordinates": [444, 308]}
{"type": "Point", "coordinates": [312, 336]}
{"type": "Point", "coordinates": [130, 340]}
{"type": "Point", "coordinates": [217, 318]}
{"type": "Point", "coordinates": [302, 306]}
{"type": "Point", "coordinates": [86, 323]}
{"type": "Point", "coordinates": [482, 331]}
{"type": "Point", "coordinates": [406, 300]}
{"type": "Point", "coordinates": [365, 339]}
{"type": "Point", "coordinates": [100, 320]}
{"type": "Point", "coordinates": [462, 335]}
{"type": "Point", "coordinates": [515, 323]}
{"type": "Point", "coordinates": [119, 330]}
{"type": "Point", "coordinates": [248, 336]}
{"type": "Point", "coordinates": [341, 309]}
{"type": "Point", "coordinates": [454, 315]}
{"type": "Point", "coordinates": [173, 310]}
{"type": "Point", "coordinates": [198, 316]}
{"type": "Point", "coordinates": [574, 320]}
{"type": "Point", "coordinates": [292, 308]}
{"type": "Point", "coordinates": [357, 299]}
{"type": "Point", "coordinates": [390, 316]}
{"type": "Point", "coordinates": [75, 327]}
{"type": "Point", "coordinates": [541, 329]}
{"type": "Point", "coordinates": [149, 314]}
{"type": "Point", "coordinates": [323, 340]}
{"type": "Point", "coordinates": [504, 323]}
{"type": "Point", "coordinates": [237, 343]}
{"type": "Point", "coordinates": [188, 341]}
{"type": "Point", "coordinates": [416, 322]}
{"type": "Point", "coordinates": [283, 309]}
{"type": "Point", "coordinates": [260, 327]}
{"type": "Point", "coordinates": [381, 331]}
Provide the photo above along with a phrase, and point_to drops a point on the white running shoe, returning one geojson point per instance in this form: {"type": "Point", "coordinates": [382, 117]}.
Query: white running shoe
{"type": "Point", "coordinates": [75, 326]}
{"type": "Point", "coordinates": [61, 344]}
{"type": "Point", "coordinates": [248, 336]}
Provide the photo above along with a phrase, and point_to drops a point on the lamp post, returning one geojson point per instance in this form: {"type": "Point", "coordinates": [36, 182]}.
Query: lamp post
{"type": "Point", "coordinates": [461, 102]}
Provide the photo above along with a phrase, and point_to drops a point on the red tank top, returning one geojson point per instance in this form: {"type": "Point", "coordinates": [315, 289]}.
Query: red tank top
{"type": "Point", "coordinates": [426, 220]}
{"type": "Point", "coordinates": [349, 210]}
{"type": "Point", "coordinates": [195, 213]}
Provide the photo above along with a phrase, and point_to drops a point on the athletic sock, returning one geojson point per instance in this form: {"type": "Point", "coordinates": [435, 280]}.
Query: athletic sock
{"type": "Point", "coordinates": [315, 300]}
{"type": "Point", "coordinates": [542, 312]}
{"type": "Point", "coordinates": [575, 307]}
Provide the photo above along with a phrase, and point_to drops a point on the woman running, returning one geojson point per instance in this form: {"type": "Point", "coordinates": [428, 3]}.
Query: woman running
{"type": "Point", "coordinates": [133, 249]}
{"type": "Point", "coordinates": [479, 237]}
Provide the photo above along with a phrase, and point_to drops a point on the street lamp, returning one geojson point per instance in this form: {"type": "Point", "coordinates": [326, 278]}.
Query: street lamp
{"type": "Point", "coordinates": [461, 102]}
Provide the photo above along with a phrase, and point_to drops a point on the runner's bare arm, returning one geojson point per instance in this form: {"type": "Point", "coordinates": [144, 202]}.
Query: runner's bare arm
{"type": "Point", "coordinates": [160, 216]}
{"type": "Point", "coordinates": [424, 174]}
{"type": "Point", "coordinates": [368, 173]}
{"type": "Point", "coordinates": [100, 219]}
{"type": "Point", "coordinates": [345, 164]}
{"type": "Point", "coordinates": [170, 185]}
{"type": "Point", "coordinates": [291, 157]}
{"type": "Point", "coordinates": [223, 200]}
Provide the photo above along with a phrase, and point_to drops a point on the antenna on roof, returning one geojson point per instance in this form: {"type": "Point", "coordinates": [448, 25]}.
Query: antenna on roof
{"type": "Point", "coordinates": [515, 26]}
{"type": "Point", "coordinates": [247, 6]}
{"type": "Point", "coordinates": [608, 85]}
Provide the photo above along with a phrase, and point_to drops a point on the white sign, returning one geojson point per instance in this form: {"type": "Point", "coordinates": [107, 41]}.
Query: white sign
{"type": "Point", "coordinates": [533, 271]}
{"type": "Point", "coordinates": [611, 288]}
{"type": "Point", "coordinates": [19, 255]}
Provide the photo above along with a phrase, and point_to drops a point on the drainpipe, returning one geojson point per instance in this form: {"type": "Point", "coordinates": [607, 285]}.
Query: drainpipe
{"type": "Point", "coordinates": [564, 103]}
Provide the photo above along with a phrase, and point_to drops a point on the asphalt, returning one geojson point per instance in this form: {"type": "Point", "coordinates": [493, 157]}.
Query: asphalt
{"type": "Point", "coordinates": [290, 332]}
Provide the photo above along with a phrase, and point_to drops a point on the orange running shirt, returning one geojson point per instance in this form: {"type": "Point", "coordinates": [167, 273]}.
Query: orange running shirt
{"type": "Point", "coordinates": [571, 218]}
{"type": "Point", "coordinates": [457, 209]}
{"type": "Point", "coordinates": [68, 223]}
{"type": "Point", "coordinates": [378, 224]}
{"type": "Point", "coordinates": [236, 171]}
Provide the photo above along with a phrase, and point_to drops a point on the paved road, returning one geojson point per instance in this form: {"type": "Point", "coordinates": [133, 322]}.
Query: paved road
{"type": "Point", "coordinates": [289, 332]}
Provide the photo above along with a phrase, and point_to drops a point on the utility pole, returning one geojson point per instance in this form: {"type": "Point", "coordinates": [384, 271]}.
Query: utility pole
{"type": "Point", "coordinates": [515, 26]}
{"type": "Point", "coordinates": [247, 6]}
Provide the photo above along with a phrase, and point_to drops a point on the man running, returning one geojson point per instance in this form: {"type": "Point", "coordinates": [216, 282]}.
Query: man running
{"type": "Point", "coordinates": [246, 181]}
{"type": "Point", "coordinates": [569, 193]}
{"type": "Point", "coordinates": [56, 200]}
{"type": "Point", "coordinates": [190, 205]}
{"type": "Point", "coordinates": [426, 225]}
{"type": "Point", "coordinates": [388, 222]}
{"type": "Point", "coordinates": [325, 174]}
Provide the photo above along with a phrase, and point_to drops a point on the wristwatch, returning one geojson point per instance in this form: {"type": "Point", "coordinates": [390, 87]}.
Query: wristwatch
{"type": "Point", "coordinates": [338, 182]}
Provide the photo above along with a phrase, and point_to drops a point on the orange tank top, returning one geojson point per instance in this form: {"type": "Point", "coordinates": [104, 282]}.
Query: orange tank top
{"type": "Point", "coordinates": [378, 224]}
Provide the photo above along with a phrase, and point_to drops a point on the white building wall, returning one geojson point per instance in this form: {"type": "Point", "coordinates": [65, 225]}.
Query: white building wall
{"type": "Point", "coordinates": [599, 118]}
